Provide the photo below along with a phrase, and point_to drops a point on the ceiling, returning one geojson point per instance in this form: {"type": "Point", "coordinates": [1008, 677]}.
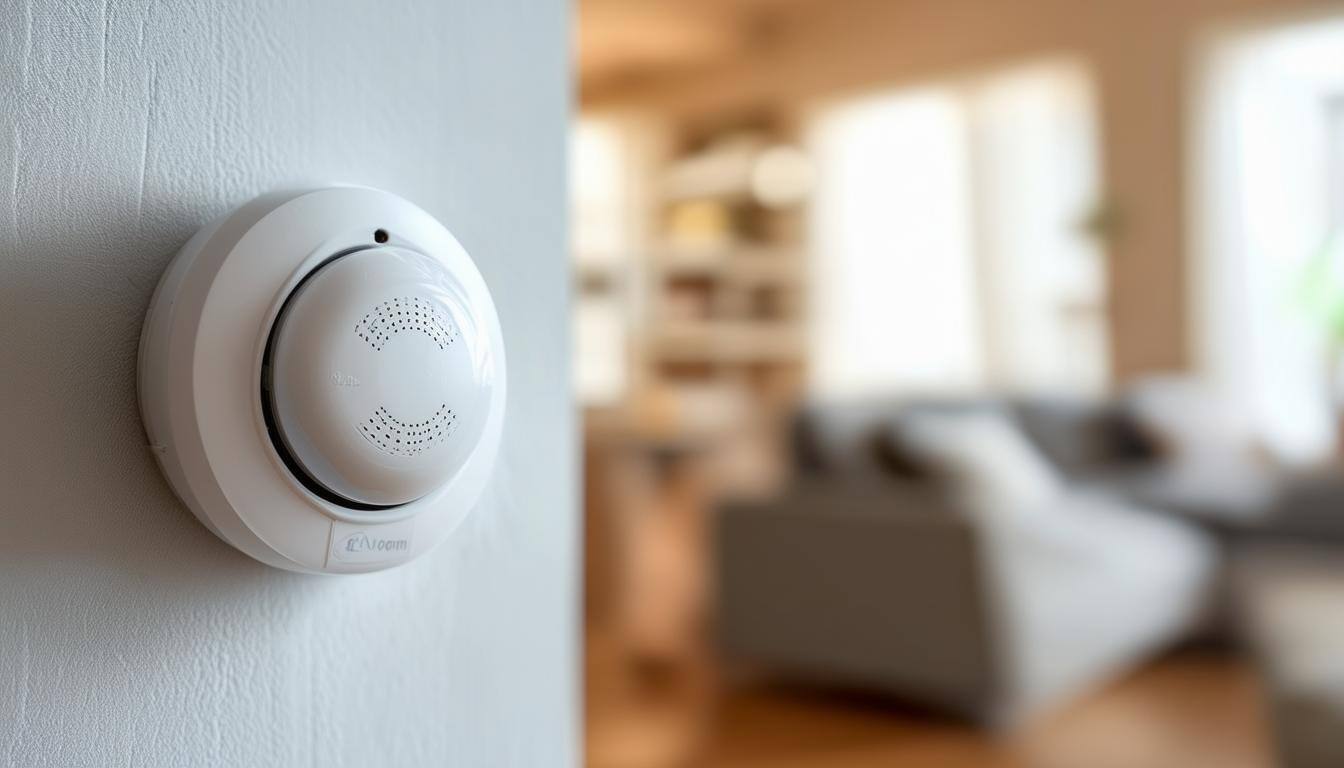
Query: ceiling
{"type": "Point", "coordinates": [625, 41]}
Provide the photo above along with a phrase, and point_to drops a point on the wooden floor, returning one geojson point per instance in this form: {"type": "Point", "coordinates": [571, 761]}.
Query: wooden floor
{"type": "Point", "coordinates": [1187, 711]}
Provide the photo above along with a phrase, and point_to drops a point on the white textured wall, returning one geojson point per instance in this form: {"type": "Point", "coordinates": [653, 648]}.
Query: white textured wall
{"type": "Point", "coordinates": [128, 634]}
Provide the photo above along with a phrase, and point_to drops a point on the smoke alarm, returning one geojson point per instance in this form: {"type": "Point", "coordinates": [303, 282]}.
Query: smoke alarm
{"type": "Point", "coordinates": [322, 379]}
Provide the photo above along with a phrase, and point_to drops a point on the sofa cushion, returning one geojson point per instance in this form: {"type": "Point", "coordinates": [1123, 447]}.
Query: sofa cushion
{"type": "Point", "coordinates": [1083, 436]}
{"type": "Point", "coordinates": [984, 455]}
{"type": "Point", "coordinates": [1191, 421]}
{"type": "Point", "coordinates": [1091, 586]}
{"type": "Point", "coordinates": [855, 436]}
{"type": "Point", "coordinates": [838, 437]}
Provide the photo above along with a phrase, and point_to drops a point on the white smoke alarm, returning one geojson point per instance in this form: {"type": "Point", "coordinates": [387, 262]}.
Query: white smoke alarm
{"type": "Point", "coordinates": [322, 379]}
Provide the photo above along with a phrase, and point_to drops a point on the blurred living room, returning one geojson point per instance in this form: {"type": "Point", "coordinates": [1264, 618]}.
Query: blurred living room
{"type": "Point", "coordinates": [961, 382]}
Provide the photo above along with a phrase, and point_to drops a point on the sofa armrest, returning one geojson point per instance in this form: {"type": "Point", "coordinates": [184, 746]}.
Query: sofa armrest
{"type": "Point", "coordinates": [851, 585]}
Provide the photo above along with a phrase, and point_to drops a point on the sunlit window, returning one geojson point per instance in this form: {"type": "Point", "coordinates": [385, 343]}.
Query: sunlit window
{"type": "Point", "coordinates": [949, 246]}
{"type": "Point", "coordinates": [1270, 289]}
{"type": "Point", "coordinates": [894, 294]}
{"type": "Point", "coordinates": [601, 214]}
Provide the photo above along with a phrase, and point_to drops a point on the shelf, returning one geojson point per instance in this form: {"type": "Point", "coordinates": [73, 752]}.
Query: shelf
{"type": "Point", "coordinates": [745, 264]}
{"type": "Point", "coordinates": [727, 342]}
{"type": "Point", "coordinates": [720, 172]}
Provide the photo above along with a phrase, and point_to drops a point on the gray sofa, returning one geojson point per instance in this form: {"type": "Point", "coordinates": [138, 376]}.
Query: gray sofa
{"type": "Point", "coordinates": [871, 571]}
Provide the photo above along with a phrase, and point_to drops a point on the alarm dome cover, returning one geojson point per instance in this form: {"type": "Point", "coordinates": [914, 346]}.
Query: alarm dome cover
{"type": "Point", "coordinates": [379, 378]}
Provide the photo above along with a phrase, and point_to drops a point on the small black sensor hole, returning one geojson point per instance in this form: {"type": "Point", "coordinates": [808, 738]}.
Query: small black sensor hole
{"type": "Point", "coordinates": [380, 236]}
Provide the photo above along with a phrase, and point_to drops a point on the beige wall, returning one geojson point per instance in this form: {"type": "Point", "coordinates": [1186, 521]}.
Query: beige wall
{"type": "Point", "coordinates": [1143, 52]}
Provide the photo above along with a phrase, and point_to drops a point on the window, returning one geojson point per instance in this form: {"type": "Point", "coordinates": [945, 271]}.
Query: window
{"type": "Point", "coordinates": [893, 272]}
{"type": "Point", "coordinates": [602, 200]}
{"type": "Point", "coordinates": [949, 252]}
{"type": "Point", "coordinates": [1270, 203]}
